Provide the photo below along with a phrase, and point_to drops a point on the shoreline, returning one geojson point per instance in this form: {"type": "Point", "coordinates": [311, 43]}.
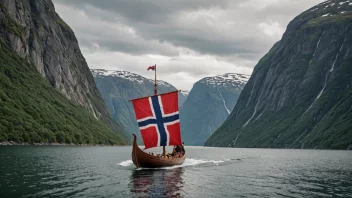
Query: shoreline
{"type": "Point", "coordinates": [11, 143]}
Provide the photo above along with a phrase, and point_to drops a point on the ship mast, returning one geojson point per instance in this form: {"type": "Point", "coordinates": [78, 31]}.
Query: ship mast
{"type": "Point", "coordinates": [155, 85]}
{"type": "Point", "coordinates": [156, 93]}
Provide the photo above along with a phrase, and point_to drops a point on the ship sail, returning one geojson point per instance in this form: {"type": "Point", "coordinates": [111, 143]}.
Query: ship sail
{"type": "Point", "coordinates": [159, 123]}
{"type": "Point", "coordinates": [158, 119]}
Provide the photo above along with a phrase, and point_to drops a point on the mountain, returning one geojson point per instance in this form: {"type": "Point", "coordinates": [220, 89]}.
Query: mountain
{"type": "Point", "coordinates": [119, 87]}
{"type": "Point", "coordinates": [208, 105]}
{"type": "Point", "coordinates": [183, 95]}
{"type": "Point", "coordinates": [300, 93]}
{"type": "Point", "coordinates": [47, 91]}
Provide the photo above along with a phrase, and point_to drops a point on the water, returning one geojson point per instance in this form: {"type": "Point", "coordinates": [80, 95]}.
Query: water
{"type": "Point", "coordinates": [39, 171]}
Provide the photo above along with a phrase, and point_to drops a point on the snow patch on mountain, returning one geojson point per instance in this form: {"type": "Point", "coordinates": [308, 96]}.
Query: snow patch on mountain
{"type": "Point", "coordinates": [328, 14]}
{"type": "Point", "coordinates": [184, 93]}
{"type": "Point", "coordinates": [126, 75]}
{"type": "Point", "coordinates": [328, 8]}
{"type": "Point", "coordinates": [226, 80]}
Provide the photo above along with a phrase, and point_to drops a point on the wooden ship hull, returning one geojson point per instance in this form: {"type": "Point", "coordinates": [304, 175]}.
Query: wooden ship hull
{"type": "Point", "coordinates": [145, 160]}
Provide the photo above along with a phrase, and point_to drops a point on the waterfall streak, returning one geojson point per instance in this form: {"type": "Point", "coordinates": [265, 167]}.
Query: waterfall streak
{"type": "Point", "coordinates": [255, 111]}
{"type": "Point", "coordinates": [260, 115]}
{"type": "Point", "coordinates": [228, 111]}
{"type": "Point", "coordinates": [234, 142]}
{"type": "Point", "coordinates": [328, 73]}
{"type": "Point", "coordinates": [316, 48]}
{"type": "Point", "coordinates": [291, 59]}
{"type": "Point", "coordinates": [229, 145]}
{"type": "Point", "coordinates": [337, 55]}
{"type": "Point", "coordinates": [277, 138]}
{"type": "Point", "coordinates": [302, 147]}
{"type": "Point", "coordinates": [296, 140]}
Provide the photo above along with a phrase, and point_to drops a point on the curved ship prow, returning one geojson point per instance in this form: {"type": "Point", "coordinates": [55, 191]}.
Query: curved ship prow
{"type": "Point", "coordinates": [145, 160]}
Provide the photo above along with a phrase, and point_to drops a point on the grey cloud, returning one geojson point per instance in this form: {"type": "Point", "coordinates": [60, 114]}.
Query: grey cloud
{"type": "Point", "coordinates": [216, 47]}
{"type": "Point", "coordinates": [157, 20]}
{"type": "Point", "coordinates": [233, 33]}
{"type": "Point", "coordinates": [112, 36]}
{"type": "Point", "coordinates": [147, 11]}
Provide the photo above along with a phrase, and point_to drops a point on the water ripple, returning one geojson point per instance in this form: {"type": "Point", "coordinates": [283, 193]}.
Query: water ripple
{"type": "Point", "coordinates": [221, 172]}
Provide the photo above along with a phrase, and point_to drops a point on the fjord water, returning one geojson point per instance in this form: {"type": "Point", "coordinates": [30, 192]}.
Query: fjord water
{"type": "Point", "coordinates": [54, 171]}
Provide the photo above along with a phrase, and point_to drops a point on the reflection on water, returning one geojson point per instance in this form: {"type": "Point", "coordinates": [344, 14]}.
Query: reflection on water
{"type": "Point", "coordinates": [157, 182]}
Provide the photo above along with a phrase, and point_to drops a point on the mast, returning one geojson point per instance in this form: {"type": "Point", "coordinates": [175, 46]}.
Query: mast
{"type": "Point", "coordinates": [155, 88]}
{"type": "Point", "coordinates": [156, 93]}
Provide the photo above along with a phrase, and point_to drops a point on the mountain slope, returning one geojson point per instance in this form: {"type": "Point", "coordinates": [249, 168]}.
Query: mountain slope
{"type": "Point", "coordinates": [182, 97]}
{"type": "Point", "coordinates": [119, 87]}
{"type": "Point", "coordinates": [39, 44]}
{"type": "Point", "coordinates": [209, 104]}
{"type": "Point", "coordinates": [300, 93]}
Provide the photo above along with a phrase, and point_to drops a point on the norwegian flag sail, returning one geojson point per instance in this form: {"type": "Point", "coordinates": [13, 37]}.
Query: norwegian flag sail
{"type": "Point", "coordinates": [158, 119]}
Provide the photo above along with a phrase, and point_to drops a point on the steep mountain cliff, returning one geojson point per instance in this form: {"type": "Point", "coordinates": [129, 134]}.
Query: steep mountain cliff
{"type": "Point", "coordinates": [35, 41]}
{"type": "Point", "coordinates": [208, 105]}
{"type": "Point", "coordinates": [300, 93]}
{"type": "Point", "coordinates": [119, 87]}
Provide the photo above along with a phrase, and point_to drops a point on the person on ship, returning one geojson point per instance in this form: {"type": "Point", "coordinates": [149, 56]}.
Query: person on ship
{"type": "Point", "coordinates": [177, 151]}
{"type": "Point", "coordinates": [183, 149]}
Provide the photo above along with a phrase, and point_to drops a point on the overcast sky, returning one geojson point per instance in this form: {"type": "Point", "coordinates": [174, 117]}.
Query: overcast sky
{"type": "Point", "coordinates": [186, 39]}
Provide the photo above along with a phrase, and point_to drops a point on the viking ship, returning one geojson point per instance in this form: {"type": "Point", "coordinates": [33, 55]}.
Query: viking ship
{"type": "Point", "coordinates": [159, 124]}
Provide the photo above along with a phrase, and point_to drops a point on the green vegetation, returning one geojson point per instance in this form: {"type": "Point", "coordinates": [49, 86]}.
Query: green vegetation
{"type": "Point", "coordinates": [32, 111]}
{"type": "Point", "coordinates": [338, 19]}
{"type": "Point", "coordinates": [327, 125]}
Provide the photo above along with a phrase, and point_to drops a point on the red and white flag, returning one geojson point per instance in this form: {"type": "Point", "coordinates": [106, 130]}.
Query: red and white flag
{"type": "Point", "coordinates": [152, 67]}
{"type": "Point", "coordinates": [158, 119]}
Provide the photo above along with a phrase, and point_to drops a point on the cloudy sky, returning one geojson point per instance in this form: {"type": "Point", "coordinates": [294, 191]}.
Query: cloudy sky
{"type": "Point", "coordinates": [186, 39]}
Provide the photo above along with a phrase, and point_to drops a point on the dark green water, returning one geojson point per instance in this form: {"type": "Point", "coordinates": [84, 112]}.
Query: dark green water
{"type": "Point", "coordinates": [38, 171]}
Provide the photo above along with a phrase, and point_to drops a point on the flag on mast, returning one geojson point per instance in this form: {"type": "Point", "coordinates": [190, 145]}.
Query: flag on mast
{"type": "Point", "coordinates": [152, 67]}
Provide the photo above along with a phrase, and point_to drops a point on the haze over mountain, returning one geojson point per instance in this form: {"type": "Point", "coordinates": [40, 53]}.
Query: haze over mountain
{"type": "Point", "coordinates": [47, 91]}
{"type": "Point", "coordinates": [208, 105]}
{"type": "Point", "coordinates": [300, 93]}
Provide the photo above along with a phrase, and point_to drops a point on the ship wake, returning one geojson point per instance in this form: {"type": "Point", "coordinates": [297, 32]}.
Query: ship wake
{"type": "Point", "coordinates": [188, 162]}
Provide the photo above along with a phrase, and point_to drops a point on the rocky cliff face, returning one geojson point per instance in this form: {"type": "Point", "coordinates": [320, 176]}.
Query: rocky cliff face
{"type": "Point", "coordinates": [35, 31]}
{"type": "Point", "coordinates": [208, 105]}
{"type": "Point", "coordinates": [119, 87]}
{"type": "Point", "coordinates": [300, 93]}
